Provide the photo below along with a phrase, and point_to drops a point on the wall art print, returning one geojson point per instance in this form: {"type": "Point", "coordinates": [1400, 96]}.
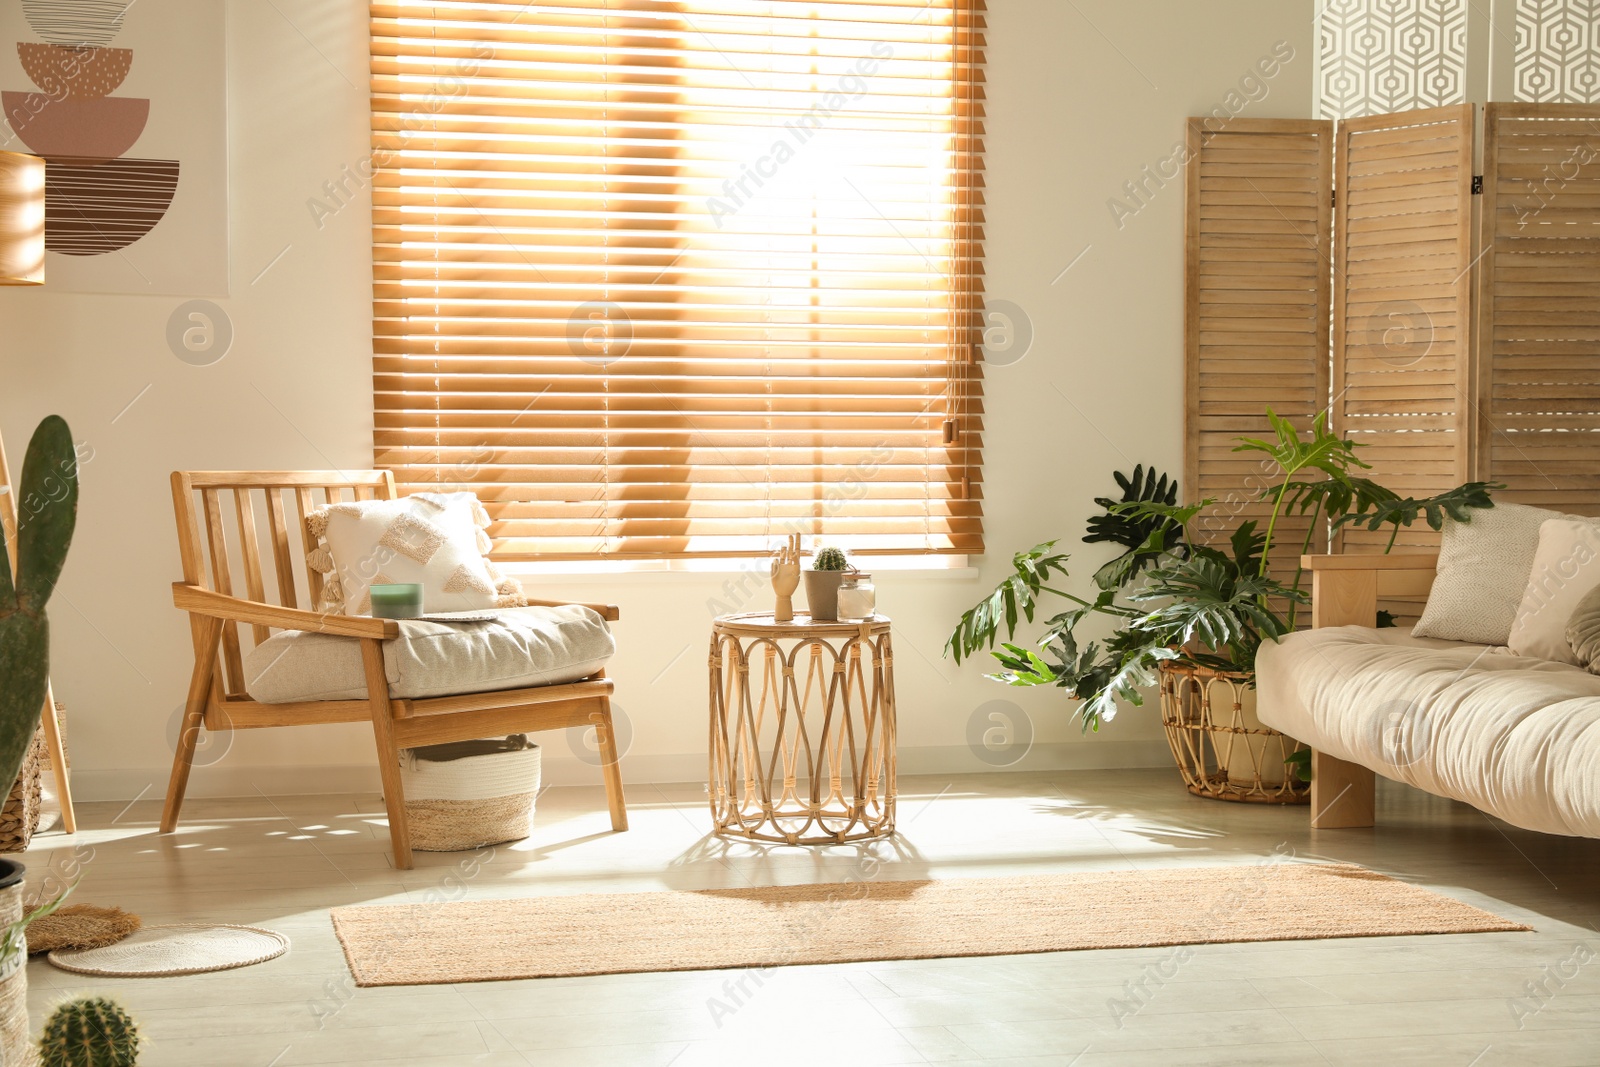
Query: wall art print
{"type": "Point", "coordinates": [126, 101]}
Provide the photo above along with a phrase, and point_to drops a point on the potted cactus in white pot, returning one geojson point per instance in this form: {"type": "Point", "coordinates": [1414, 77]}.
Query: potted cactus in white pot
{"type": "Point", "coordinates": [822, 584]}
{"type": "Point", "coordinates": [47, 507]}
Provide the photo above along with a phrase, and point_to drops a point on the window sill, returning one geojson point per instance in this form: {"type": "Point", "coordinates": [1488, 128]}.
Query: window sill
{"type": "Point", "coordinates": [959, 567]}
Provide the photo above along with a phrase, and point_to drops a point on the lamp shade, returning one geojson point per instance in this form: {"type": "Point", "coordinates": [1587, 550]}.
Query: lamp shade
{"type": "Point", "coordinates": [21, 219]}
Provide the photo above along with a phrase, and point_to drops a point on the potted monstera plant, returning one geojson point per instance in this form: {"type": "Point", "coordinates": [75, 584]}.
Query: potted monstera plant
{"type": "Point", "coordinates": [47, 513]}
{"type": "Point", "coordinates": [1189, 616]}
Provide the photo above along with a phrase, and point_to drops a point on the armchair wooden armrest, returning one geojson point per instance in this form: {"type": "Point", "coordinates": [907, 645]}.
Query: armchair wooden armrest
{"type": "Point", "coordinates": [608, 612]}
{"type": "Point", "coordinates": [200, 601]}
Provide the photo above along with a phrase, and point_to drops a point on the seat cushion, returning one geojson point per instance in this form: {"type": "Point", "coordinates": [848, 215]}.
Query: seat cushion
{"type": "Point", "coordinates": [523, 647]}
{"type": "Point", "coordinates": [1516, 737]}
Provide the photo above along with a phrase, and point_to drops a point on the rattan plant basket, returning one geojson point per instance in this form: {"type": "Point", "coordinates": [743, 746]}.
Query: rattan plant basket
{"type": "Point", "coordinates": [20, 817]}
{"type": "Point", "coordinates": [470, 802]}
{"type": "Point", "coordinates": [1222, 750]}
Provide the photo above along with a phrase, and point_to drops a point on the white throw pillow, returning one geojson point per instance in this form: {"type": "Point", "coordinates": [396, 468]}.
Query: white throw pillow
{"type": "Point", "coordinates": [433, 539]}
{"type": "Point", "coordinates": [1566, 566]}
{"type": "Point", "coordinates": [1483, 572]}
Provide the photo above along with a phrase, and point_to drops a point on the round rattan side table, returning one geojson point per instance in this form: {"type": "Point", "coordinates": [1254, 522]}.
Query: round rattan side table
{"type": "Point", "coordinates": [802, 730]}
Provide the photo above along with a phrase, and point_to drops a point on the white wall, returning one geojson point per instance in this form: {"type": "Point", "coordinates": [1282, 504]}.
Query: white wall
{"type": "Point", "coordinates": [1081, 96]}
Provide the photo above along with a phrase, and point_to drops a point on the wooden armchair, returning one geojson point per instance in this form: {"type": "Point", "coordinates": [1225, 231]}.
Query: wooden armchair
{"type": "Point", "coordinates": [217, 698]}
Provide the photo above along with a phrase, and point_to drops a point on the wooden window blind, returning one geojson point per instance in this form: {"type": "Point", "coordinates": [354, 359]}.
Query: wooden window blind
{"type": "Point", "coordinates": [1258, 224]}
{"type": "Point", "coordinates": [664, 278]}
{"type": "Point", "coordinates": [1539, 305]}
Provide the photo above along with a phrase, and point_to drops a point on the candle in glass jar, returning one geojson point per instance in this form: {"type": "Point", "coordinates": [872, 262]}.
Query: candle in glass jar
{"type": "Point", "coordinates": [399, 601]}
{"type": "Point", "coordinates": [858, 599]}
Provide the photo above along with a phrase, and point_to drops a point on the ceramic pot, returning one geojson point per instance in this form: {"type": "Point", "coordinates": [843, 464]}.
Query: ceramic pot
{"type": "Point", "coordinates": [822, 595]}
{"type": "Point", "coordinates": [14, 1028]}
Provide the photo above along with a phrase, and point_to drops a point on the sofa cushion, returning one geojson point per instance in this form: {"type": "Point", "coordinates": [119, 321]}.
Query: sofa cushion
{"type": "Point", "coordinates": [1583, 631]}
{"type": "Point", "coordinates": [1517, 737]}
{"type": "Point", "coordinates": [523, 647]}
{"type": "Point", "coordinates": [1566, 567]}
{"type": "Point", "coordinates": [1483, 571]}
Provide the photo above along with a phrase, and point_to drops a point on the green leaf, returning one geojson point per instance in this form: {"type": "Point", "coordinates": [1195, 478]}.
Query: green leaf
{"type": "Point", "coordinates": [25, 670]}
{"type": "Point", "coordinates": [47, 512]}
{"type": "Point", "coordinates": [1016, 595]}
{"type": "Point", "coordinates": [1146, 535]}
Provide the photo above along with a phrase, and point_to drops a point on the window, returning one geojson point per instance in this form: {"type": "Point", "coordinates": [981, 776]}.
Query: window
{"type": "Point", "coordinates": [663, 278]}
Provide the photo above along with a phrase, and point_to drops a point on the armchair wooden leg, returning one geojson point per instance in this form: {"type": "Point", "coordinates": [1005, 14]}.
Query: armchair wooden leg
{"type": "Point", "coordinates": [58, 761]}
{"type": "Point", "coordinates": [611, 767]}
{"type": "Point", "coordinates": [394, 799]}
{"type": "Point", "coordinates": [1343, 794]}
{"type": "Point", "coordinates": [207, 632]}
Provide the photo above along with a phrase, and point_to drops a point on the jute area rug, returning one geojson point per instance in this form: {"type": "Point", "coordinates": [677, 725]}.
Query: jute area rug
{"type": "Point", "coordinates": [549, 936]}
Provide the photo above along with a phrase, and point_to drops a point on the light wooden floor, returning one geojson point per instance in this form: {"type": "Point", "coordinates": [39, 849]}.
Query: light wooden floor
{"type": "Point", "coordinates": [1461, 1001]}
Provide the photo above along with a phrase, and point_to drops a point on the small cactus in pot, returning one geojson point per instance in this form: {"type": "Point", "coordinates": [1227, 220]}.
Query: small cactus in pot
{"type": "Point", "coordinates": [89, 1032]}
{"type": "Point", "coordinates": [822, 584]}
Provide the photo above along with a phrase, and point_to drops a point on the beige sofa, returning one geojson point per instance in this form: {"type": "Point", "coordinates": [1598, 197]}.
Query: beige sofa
{"type": "Point", "coordinates": [1516, 737]}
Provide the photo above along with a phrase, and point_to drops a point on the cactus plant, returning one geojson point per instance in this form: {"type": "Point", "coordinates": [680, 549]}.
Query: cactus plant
{"type": "Point", "coordinates": [829, 559]}
{"type": "Point", "coordinates": [89, 1032]}
{"type": "Point", "coordinates": [47, 512]}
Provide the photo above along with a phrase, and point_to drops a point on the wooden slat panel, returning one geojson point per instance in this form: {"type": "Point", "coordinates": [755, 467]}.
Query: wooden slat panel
{"type": "Point", "coordinates": [305, 505]}
{"type": "Point", "coordinates": [250, 551]}
{"type": "Point", "coordinates": [282, 559]}
{"type": "Point", "coordinates": [1539, 305]}
{"type": "Point", "coordinates": [1256, 310]}
{"type": "Point", "coordinates": [1402, 308]}
{"type": "Point", "coordinates": [221, 574]}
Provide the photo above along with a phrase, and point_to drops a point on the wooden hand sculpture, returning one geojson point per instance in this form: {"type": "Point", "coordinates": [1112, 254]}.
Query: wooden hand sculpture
{"type": "Point", "coordinates": [786, 578]}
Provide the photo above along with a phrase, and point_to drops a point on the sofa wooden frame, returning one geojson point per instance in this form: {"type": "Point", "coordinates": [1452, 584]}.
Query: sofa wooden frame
{"type": "Point", "coordinates": [1345, 590]}
{"type": "Point", "coordinates": [217, 699]}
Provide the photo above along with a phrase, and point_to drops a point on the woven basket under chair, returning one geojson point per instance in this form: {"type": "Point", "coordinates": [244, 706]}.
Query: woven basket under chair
{"type": "Point", "coordinates": [460, 802]}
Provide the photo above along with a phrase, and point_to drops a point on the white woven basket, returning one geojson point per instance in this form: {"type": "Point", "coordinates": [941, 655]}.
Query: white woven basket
{"type": "Point", "coordinates": [470, 802]}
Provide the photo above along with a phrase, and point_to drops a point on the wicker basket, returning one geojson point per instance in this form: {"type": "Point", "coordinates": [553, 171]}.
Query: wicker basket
{"type": "Point", "coordinates": [1223, 751]}
{"type": "Point", "coordinates": [464, 803]}
{"type": "Point", "coordinates": [20, 817]}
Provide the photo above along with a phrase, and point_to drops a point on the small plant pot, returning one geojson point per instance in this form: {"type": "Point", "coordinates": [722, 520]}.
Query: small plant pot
{"type": "Point", "coordinates": [14, 1044]}
{"type": "Point", "coordinates": [822, 595]}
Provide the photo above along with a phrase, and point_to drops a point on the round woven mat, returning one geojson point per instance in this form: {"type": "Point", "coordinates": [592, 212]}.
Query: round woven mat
{"type": "Point", "coordinates": [164, 951]}
{"type": "Point", "coordinates": [80, 926]}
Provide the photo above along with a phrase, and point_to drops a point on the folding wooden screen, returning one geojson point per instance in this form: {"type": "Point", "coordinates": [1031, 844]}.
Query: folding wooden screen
{"type": "Point", "coordinates": [1256, 318]}
{"type": "Point", "coordinates": [1461, 348]}
{"type": "Point", "coordinates": [1538, 426]}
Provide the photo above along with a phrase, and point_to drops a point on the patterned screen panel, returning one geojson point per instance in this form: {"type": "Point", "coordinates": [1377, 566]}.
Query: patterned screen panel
{"type": "Point", "coordinates": [1382, 56]}
{"type": "Point", "coordinates": [1558, 52]}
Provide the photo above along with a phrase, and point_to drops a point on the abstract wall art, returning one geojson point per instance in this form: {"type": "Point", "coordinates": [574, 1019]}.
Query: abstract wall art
{"type": "Point", "coordinates": [126, 102]}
